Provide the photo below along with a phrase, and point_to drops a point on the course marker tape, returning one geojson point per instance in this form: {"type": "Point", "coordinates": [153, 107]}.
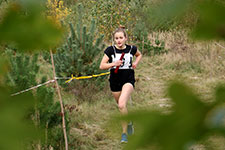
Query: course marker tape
{"type": "Point", "coordinates": [60, 78]}
{"type": "Point", "coordinates": [86, 77]}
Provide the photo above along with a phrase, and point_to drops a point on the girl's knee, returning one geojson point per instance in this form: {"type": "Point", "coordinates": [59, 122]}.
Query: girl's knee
{"type": "Point", "coordinates": [121, 106]}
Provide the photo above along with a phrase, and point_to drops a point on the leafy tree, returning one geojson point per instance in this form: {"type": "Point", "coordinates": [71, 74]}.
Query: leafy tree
{"type": "Point", "coordinates": [80, 54]}
{"type": "Point", "coordinates": [32, 30]}
{"type": "Point", "coordinates": [207, 17]}
{"type": "Point", "coordinates": [57, 11]}
{"type": "Point", "coordinates": [109, 15]}
{"type": "Point", "coordinates": [211, 24]}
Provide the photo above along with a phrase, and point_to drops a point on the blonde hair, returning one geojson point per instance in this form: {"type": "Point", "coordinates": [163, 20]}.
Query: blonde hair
{"type": "Point", "coordinates": [120, 29]}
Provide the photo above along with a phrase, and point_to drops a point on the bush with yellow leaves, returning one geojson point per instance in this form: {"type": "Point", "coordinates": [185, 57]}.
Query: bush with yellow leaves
{"type": "Point", "coordinates": [57, 11]}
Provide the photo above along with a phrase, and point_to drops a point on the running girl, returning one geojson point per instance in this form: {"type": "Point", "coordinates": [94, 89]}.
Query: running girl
{"type": "Point", "coordinates": [121, 82]}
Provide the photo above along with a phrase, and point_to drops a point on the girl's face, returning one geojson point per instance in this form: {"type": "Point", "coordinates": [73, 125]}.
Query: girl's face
{"type": "Point", "coordinates": [120, 39]}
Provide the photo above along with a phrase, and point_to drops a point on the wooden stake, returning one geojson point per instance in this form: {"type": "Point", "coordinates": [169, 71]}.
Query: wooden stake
{"type": "Point", "coordinates": [61, 103]}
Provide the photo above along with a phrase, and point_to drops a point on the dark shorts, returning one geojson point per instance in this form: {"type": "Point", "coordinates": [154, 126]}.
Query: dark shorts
{"type": "Point", "coordinates": [117, 80]}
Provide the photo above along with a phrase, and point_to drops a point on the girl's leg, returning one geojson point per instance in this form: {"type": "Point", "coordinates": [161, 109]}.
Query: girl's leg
{"type": "Point", "coordinates": [122, 102]}
{"type": "Point", "coordinates": [116, 96]}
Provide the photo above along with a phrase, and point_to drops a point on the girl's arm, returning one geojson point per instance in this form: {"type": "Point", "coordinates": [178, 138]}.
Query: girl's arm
{"type": "Point", "coordinates": [138, 58]}
{"type": "Point", "coordinates": [105, 65]}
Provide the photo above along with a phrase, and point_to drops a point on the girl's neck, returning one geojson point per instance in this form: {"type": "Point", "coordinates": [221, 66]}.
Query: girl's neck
{"type": "Point", "coordinates": [121, 48]}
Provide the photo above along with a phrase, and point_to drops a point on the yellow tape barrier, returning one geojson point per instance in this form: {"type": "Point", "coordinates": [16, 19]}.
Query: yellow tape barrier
{"type": "Point", "coordinates": [86, 77]}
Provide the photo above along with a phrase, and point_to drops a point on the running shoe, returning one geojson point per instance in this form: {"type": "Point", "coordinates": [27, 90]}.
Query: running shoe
{"type": "Point", "coordinates": [130, 128]}
{"type": "Point", "coordinates": [124, 138]}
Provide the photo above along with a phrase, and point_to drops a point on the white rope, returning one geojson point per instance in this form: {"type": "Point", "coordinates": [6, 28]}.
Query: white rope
{"type": "Point", "coordinates": [220, 45]}
{"type": "Point", "coordinates": [62, 78]}
{"type": "Point", "coordinates": [34, 87]}
{"type": "Point", "coordinates": [39, 85]}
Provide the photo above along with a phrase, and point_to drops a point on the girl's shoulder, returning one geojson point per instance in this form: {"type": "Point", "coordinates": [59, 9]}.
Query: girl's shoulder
{"type": "Point", "coordinates": [132, 48]}
{"type": "Point", "coordinates": [109, 50]}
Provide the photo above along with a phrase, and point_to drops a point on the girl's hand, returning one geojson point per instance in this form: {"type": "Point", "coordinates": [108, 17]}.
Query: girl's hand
{"type": "Point", "coordinates": [134, 65]}
{"type": "Point", "coordinates": [138, 58]}
{"type": "Point", "coordinates": [118, 63]}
